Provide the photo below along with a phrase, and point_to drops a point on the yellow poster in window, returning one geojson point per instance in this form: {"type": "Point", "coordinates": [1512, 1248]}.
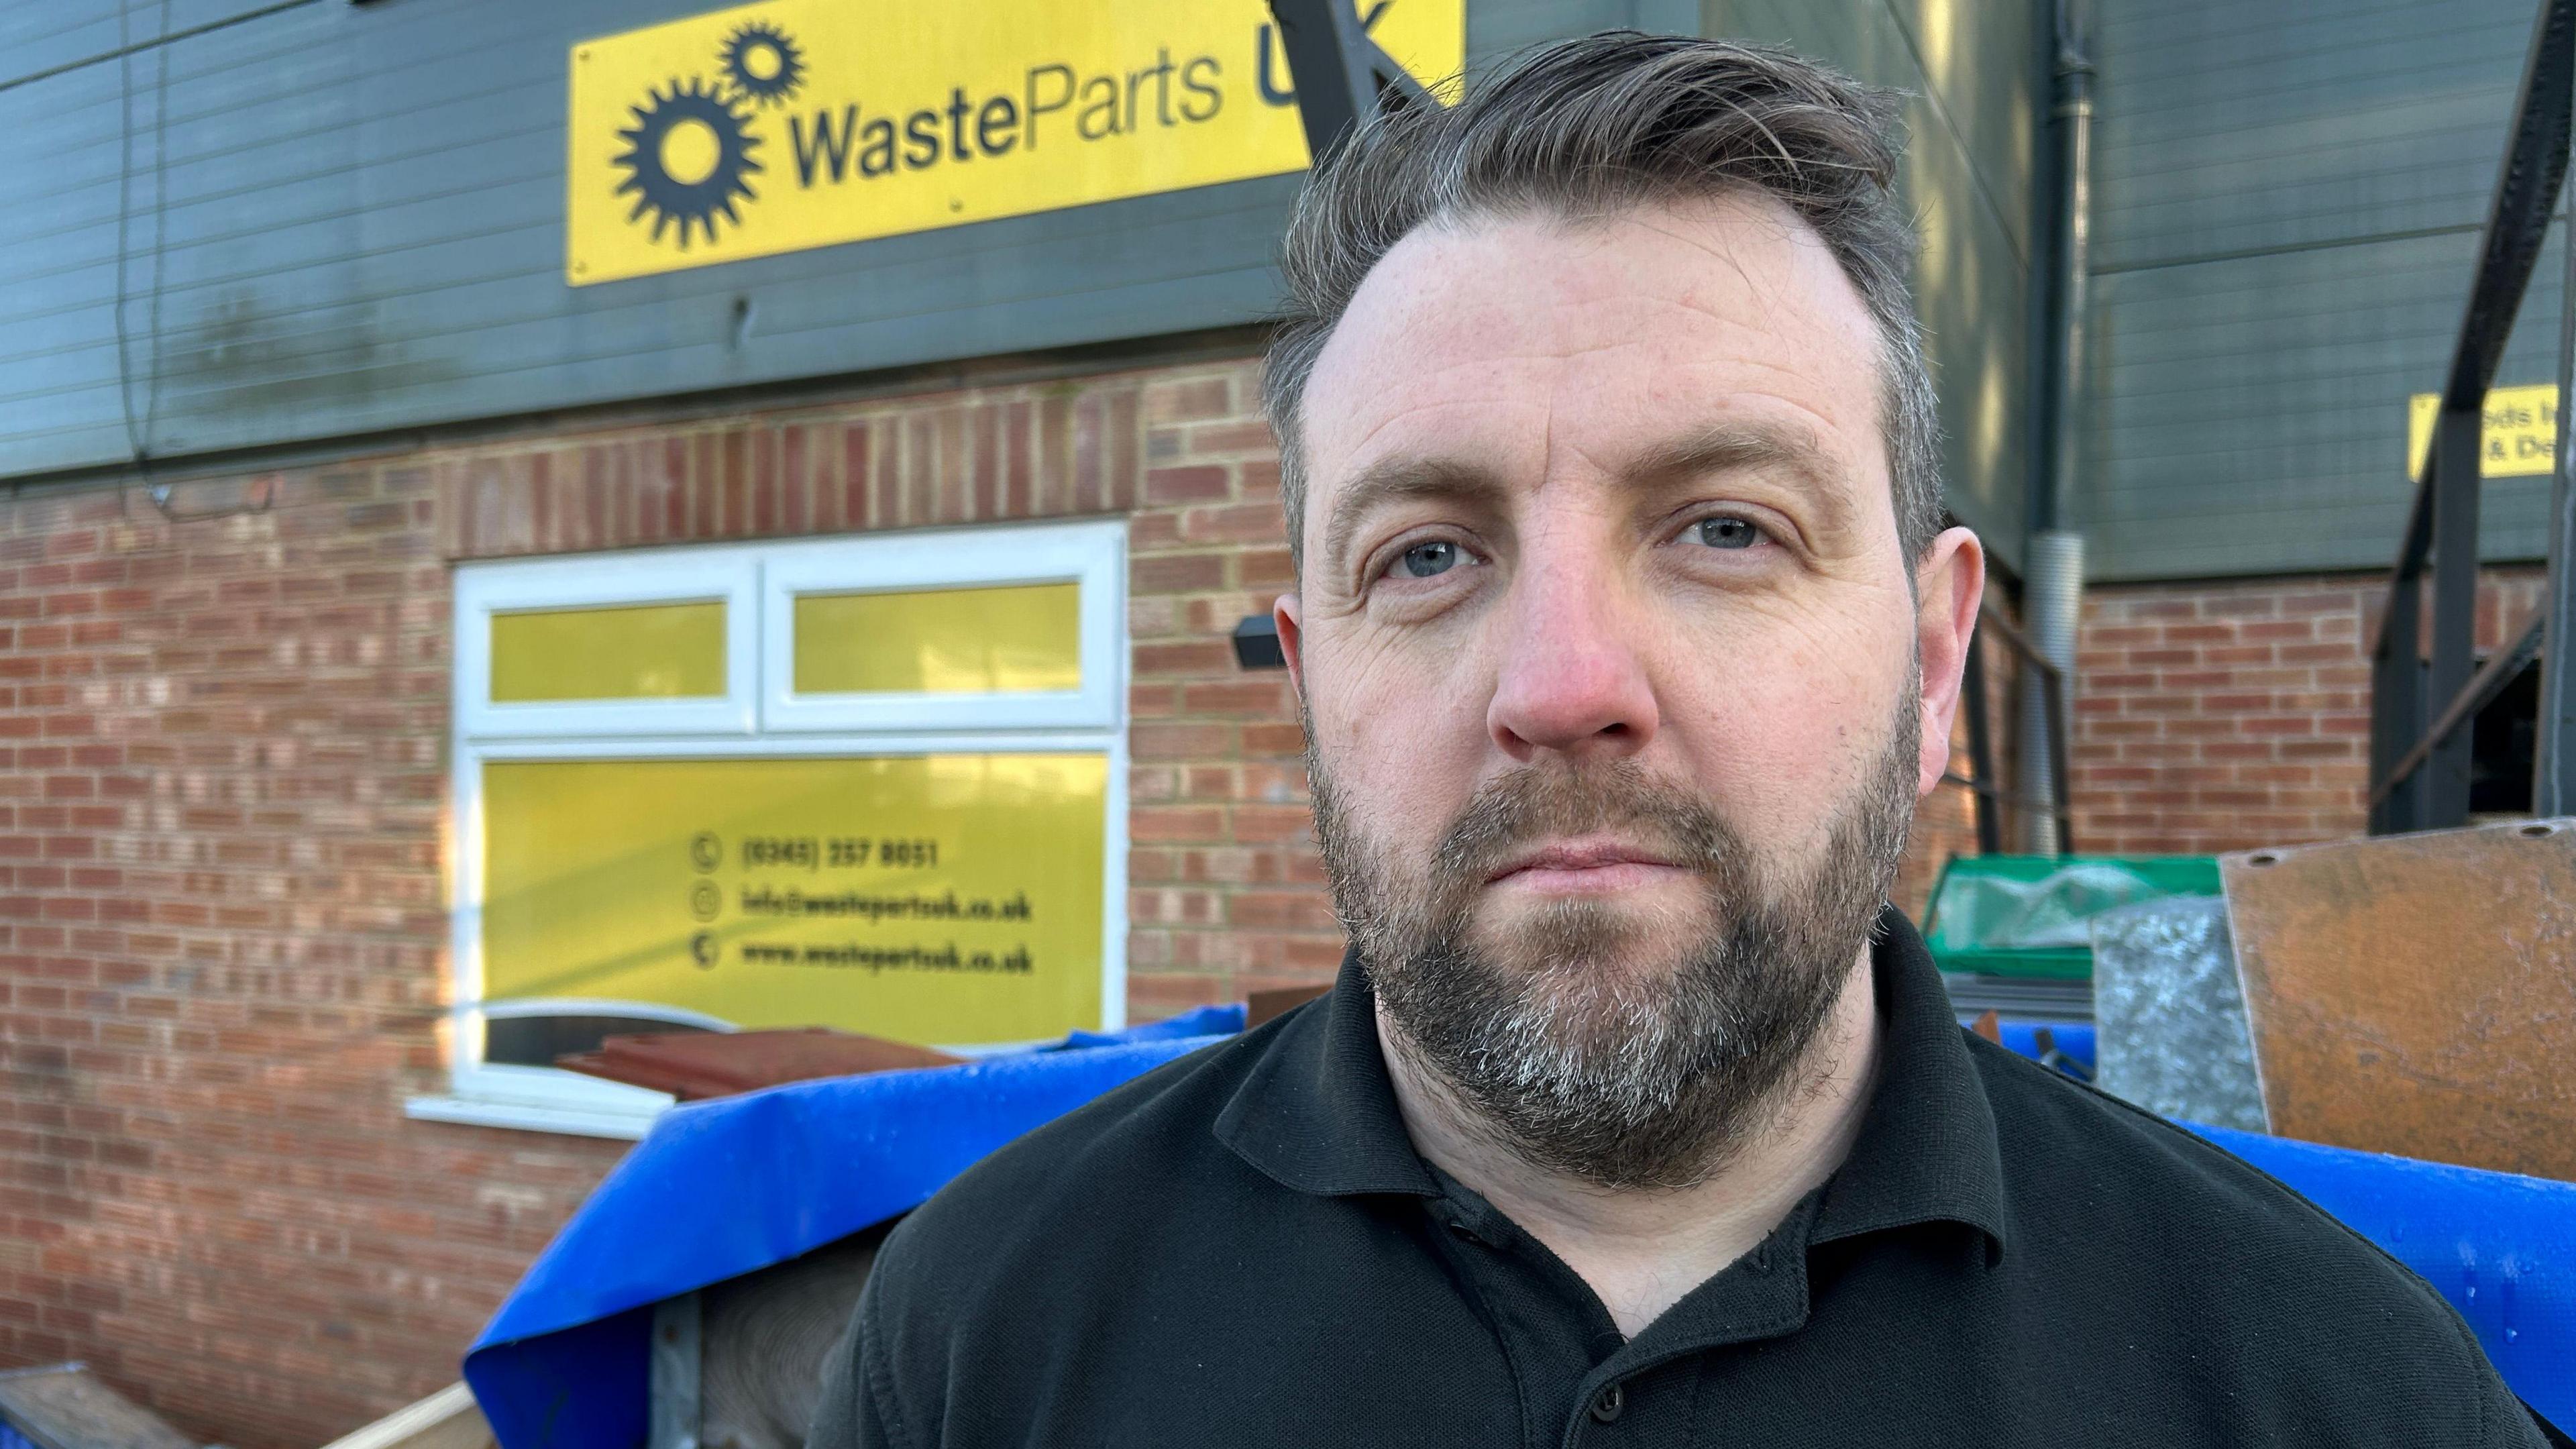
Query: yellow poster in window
{"type": "Point", "coordinates": [802, 123]}
{"type": "Point", "coordinates": [927, 898]}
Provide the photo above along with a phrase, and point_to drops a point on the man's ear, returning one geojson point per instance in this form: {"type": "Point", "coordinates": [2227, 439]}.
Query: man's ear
{"type": "Point", "coordinates": [1285, 613]}
{"type": "Point", "coordinates": [1949, 585]}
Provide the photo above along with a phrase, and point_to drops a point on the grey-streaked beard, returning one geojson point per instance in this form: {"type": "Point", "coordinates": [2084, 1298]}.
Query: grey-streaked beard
{"type": "Point", "coordinates": [1560, 1044]}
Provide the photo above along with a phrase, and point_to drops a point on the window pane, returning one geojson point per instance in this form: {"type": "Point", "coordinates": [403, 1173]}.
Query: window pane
{"type": "Point", "coordinates": [1021, 638]}
{"type": "Point", "coordinates": [643, 651]}
{"type": "Point", "coordinates": [926, 898]}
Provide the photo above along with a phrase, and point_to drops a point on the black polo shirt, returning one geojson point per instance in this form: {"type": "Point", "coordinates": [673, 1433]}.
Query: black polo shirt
{"type": "Point", "coordinates": [1242, 1248]}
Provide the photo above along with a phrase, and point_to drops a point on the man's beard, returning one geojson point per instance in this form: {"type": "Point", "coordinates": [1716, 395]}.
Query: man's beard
{"type": "Point", "coordinates": [1561, 1044]}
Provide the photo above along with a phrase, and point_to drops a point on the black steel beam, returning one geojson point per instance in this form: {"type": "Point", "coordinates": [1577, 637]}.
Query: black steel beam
{"type": "Point", "coordinates": [2012, 798]}
{"type": "Point", "coordinates": [2003, 629]}
{"type": "Point", "coordinates": [2535, 163]}
{"type": "Point", "coordinates": [2456, 436]}
{"type": "Point", "coordinates": [2480, 692]}
{"type": "Point", "coordinates": [1981, 751]}
{"type": "Point", "coordinates": [2060, 741]}
{"type": "Point", "coordinates": [2421, 781]}
{"type": "Point", "coordinates": [2397, 709]}
{"type": "Point", "coordinates": [2052, 684]}
{"type": "Point", "coordinates": [2553, 775]}
{"type": "Point", "coordinates": [1342, 76]}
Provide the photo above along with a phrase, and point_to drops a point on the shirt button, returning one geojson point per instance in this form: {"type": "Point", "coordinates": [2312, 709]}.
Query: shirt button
{"type": "Point", "coordinates": [1609, 1403]}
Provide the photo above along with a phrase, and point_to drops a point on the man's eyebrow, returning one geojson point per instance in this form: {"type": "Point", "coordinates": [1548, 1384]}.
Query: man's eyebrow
{"type": "Point", "coordinates": [1391, 480]}
{"type": "Point", "coordinates": [1733, 447]}
{"type": "Point", "coordinates": [1749, 446]}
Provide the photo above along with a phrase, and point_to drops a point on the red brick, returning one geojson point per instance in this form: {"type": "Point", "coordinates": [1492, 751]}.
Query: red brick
{"type": "Point", "coordinates": [1228, 438]}
{"type": "Point", "coordinates": [1201, 484]}
{"type": "Point", "coordinates": [1178, 573]}
{"type": "Point", "coordinates": [1187, 400]}
{"type": "Point", "coordinates": [1189, 656]}
{"type": "Point", "coordinates": [2267, 742]}
{"type": "Point", "coordinates": [1235, 523]}
{"type": "Point", "coordinates": [1169, 824]}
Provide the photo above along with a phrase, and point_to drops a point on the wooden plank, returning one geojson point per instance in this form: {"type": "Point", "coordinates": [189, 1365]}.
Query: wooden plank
{"type": "Point", "coordinates": [1261, 1006]}
{"type": "Point", "coordinates": [697, 1065]}
{"type": "Point", "coordinates": [2416, 994]}
{"type": "Point", "coordinates": [448, 1419]}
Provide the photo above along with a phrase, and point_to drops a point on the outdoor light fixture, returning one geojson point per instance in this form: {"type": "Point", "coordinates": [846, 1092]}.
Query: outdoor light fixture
{"type": "Point", "coordinates": [1256, 643]}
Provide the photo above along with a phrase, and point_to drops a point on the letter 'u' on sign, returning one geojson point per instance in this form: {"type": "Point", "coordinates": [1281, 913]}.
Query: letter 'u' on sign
{"type": "Point", "coordinates": [803, 123]}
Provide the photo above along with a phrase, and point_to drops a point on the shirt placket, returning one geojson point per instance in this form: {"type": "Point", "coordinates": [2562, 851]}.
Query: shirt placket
{"type": "Point", "coordinates": [1549, 1325]}
{"type": "Point", "coordinates": [1647, 1392]}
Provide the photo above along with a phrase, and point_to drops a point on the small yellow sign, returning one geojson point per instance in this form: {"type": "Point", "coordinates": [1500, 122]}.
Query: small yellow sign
{"type": "Point", "coordinates": [791, 124]}
{"type": "Point", "coordinates": [2519, 436]}
{"type": "Point", "coordinates": [937, 898]}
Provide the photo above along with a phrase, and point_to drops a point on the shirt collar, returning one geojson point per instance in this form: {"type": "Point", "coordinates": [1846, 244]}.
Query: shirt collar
{"type": "Point", "coordinates": [1927, 1150]}
{"type": "Point", "coordinates": [1317, 1113]}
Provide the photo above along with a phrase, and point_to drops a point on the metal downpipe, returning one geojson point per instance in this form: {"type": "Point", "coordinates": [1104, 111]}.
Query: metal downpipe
{"type": "Point", "coordinates": [2053, 553]}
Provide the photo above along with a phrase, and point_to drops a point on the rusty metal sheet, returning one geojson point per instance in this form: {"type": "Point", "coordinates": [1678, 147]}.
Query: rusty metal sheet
{"type": "Point", "coordinates": [696, 1065]}
{"type": "Point", "coordinates": [2416, 994]}
{"type": "Point", "coordinates": [1260, 1006]}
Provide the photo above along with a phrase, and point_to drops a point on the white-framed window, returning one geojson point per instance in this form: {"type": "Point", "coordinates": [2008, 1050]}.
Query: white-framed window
{"type": "Point", "coordinates": [875, 783]}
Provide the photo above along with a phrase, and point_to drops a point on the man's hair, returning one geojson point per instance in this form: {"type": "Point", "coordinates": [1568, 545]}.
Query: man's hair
{"type": "Point", "coordinates": [1592, 127]}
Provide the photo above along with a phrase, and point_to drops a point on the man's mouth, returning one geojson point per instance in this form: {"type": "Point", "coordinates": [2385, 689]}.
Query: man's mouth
{"type": "Point", "coordinates": [1590, 865]}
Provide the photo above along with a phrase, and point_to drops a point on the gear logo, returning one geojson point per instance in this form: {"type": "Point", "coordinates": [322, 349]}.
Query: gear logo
{"type": "Point", "coordinates": [688, 158]}
{"type": "Point", "coordinates": [762, 64]}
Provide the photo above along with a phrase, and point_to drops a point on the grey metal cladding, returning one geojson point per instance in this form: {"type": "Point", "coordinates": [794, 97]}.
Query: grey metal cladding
{"type": "Point", "coordinates": [1970, 112]}
{"type": "Point", "coordinates": [36, 38]}
{"type": "Point", "coordinates": [2250, 412]}
{"type": "Point", "coordinates": [39, 37]}
{"type": "Point", "coordinates": [2224, 127]}
{"type": "Point", "coordinates": [2286, 206]}
{"type": "Point", "coordinates": [357, 225]}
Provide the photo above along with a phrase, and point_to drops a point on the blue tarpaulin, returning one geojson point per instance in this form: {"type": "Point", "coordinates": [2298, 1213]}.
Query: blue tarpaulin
{"type": "Point", "coordinates": [2501, 1248]}
{"type": "Point", "coordinates": [725, 1187]}
{"type": "Point", "coordinates": [2073, 1039]}
{"type": "Point", "coordinates": [720, 1188]}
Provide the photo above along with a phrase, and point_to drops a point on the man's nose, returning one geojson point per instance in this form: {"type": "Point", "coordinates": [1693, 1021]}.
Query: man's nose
{"type": "Point", "coordinates": [1573, 675]}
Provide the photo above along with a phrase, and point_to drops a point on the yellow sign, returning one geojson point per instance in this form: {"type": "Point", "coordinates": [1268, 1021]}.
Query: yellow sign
{"type": "Point", "coordinates": [801, 123]}
{"type": "Point", "coordinates": [2519, 436]}
{"type": "Point", "coordinates": [940, 898]}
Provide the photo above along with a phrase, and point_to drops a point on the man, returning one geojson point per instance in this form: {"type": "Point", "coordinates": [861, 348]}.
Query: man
{"type": "Point", "coordinates": [1627, 636]}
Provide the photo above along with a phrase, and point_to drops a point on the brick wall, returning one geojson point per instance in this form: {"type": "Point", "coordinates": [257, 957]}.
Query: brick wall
{"type": "Point", "coordinates": [1225, 893]}
{"type": "Point", "coordinates": [222, 785]}
{"type": "Point", "coordinates": [2216, 716]}
{"type": "Point", "coordinates": [223, 735]}
{"type": "Point", "coordinates": [221, 936]}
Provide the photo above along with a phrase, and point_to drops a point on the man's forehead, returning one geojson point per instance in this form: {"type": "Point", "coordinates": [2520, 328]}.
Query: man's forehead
{"type": "Point", "coordinates": [1480, 343]}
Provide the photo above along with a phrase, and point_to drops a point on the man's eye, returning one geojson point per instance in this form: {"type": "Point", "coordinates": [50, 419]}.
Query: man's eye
{"type": "Point", "coordinates": [1426, 559]}
{"type": "Point", "coordinates": [1723, 532]}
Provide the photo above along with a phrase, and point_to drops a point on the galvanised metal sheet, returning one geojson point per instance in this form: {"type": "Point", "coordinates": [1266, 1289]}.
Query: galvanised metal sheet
{"type": "Point", "coordinates": [312, 220]}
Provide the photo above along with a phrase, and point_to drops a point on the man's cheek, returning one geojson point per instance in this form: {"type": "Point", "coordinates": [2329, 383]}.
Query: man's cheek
{"type": "Point", "coordinates": [1406, 718]}
{"type": "Point", "coordinates": [1769, 757]}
